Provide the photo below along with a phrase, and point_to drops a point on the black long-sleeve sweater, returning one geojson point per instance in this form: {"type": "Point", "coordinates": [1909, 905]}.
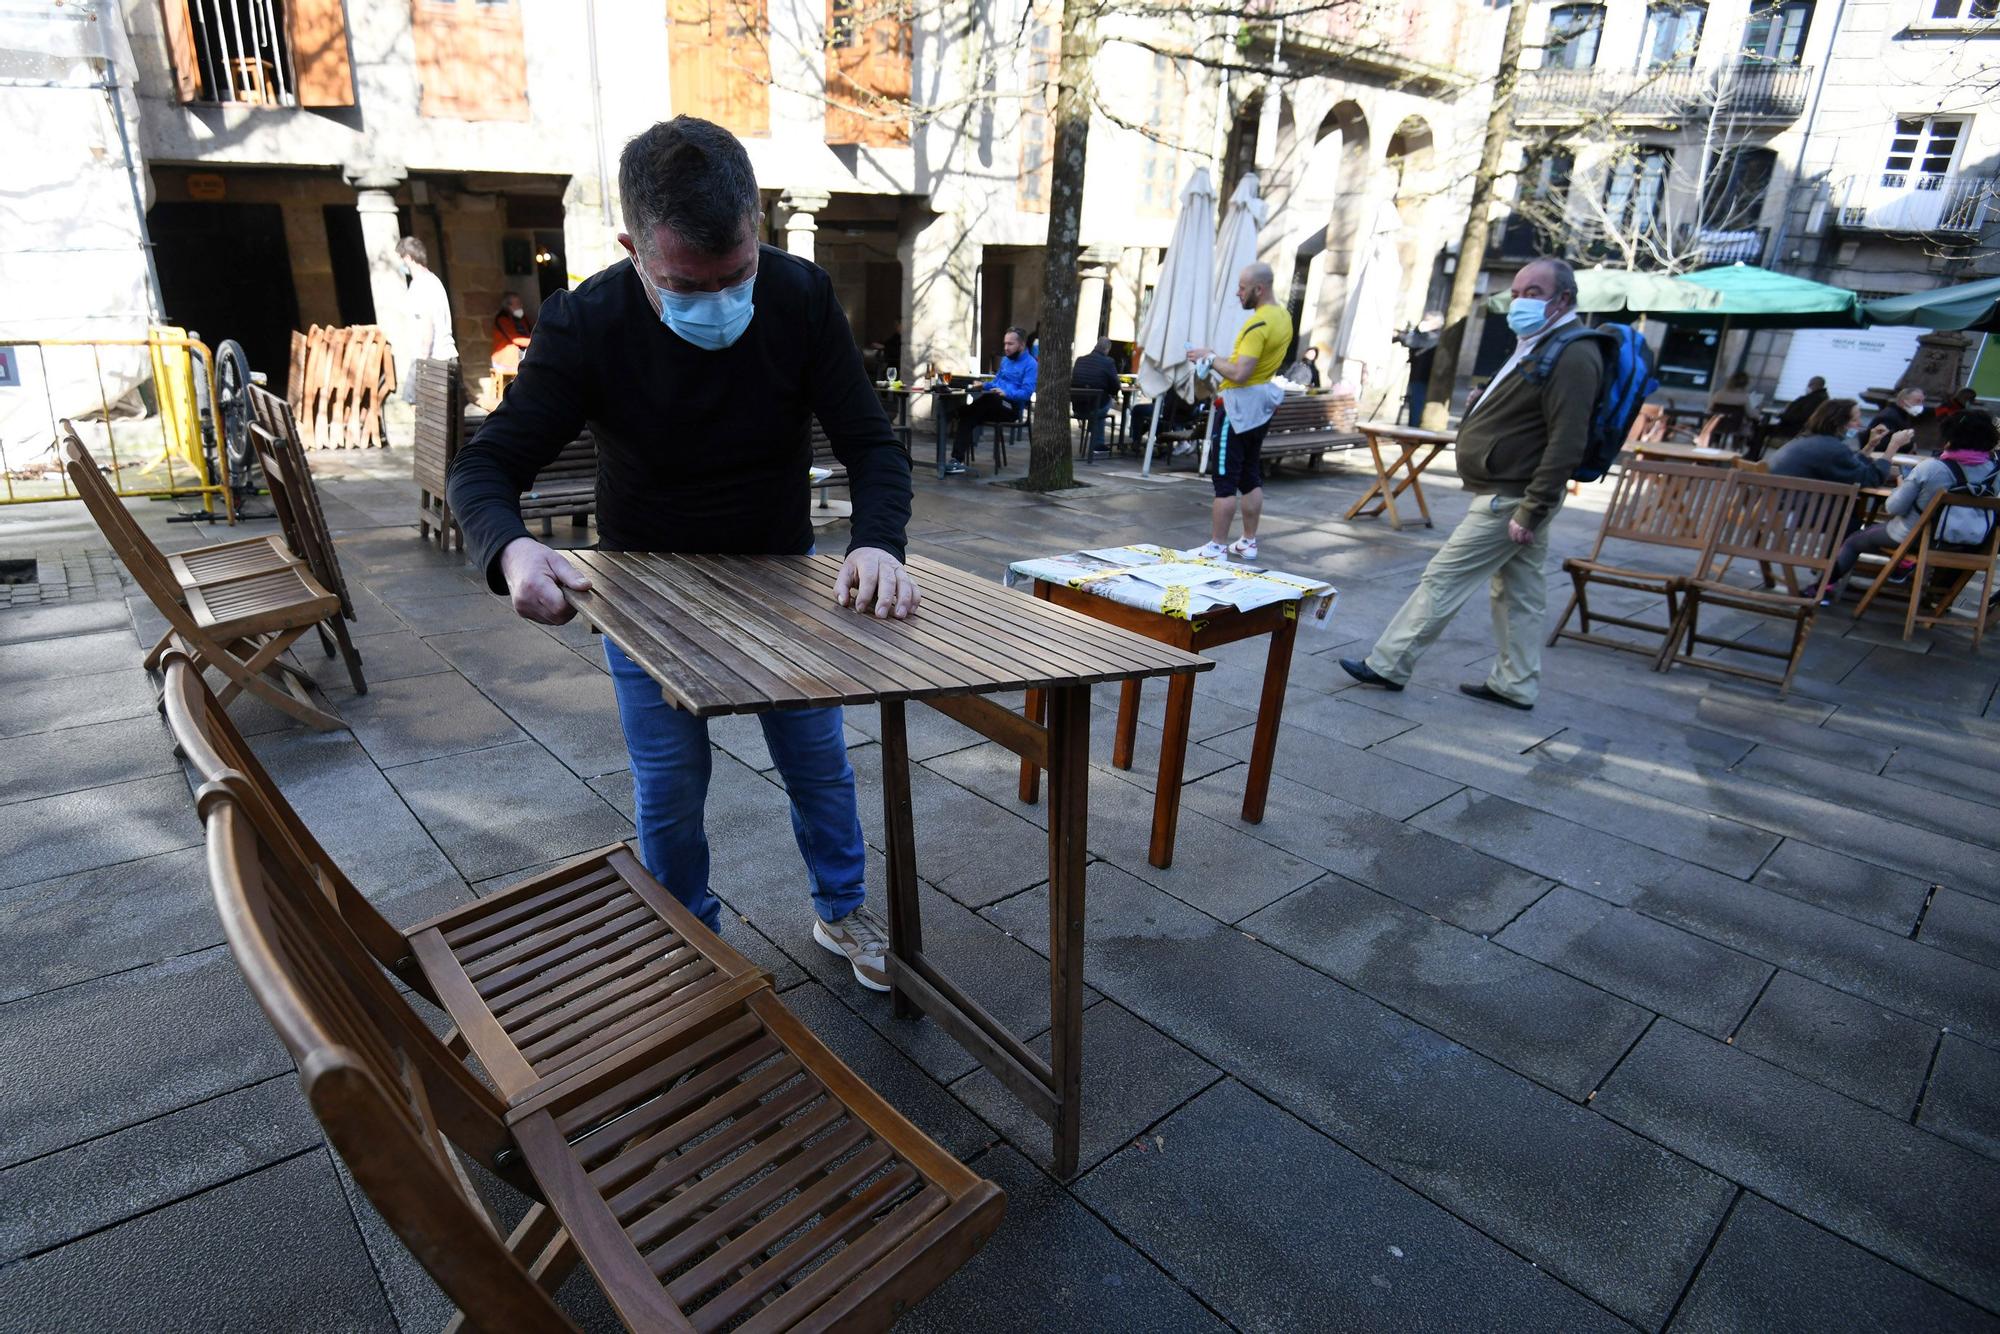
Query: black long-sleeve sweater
{"type": "Point", "coordinates": [697, 451]}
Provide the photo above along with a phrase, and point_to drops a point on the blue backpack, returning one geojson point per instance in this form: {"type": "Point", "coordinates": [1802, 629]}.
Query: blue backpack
{"type": "Point", "coordinates": [1628, 378]}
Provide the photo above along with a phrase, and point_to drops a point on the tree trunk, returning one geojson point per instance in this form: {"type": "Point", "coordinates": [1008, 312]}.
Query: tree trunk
{"type": "Point", "coordinates": [1049, 456]}
{"type": "Point", "coordinates": [1472, 243]}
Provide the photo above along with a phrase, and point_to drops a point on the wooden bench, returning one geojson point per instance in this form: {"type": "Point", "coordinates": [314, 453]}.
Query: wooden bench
{"type": "Point", "coordinates": [710, 1162]}
{"type": "Point", "coordinates": [568, 486]}
{"type": "Point", "coordinates": [824, 457]}
{"type": "Point", "coordinates": [1303, 426]}
{"type": "Point", "coordinates": [235, 607]}
{"type": "Point", "coordinates": [1786, 521]}
{"type": "Point", "coordinates": [1664, 506]}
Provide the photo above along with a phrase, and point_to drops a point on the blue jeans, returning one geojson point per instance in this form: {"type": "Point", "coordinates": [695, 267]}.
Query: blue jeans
{"type": "Point", "coordinates": [670, 768]}
{"type": "Point", "coordinates": [1097, 418]}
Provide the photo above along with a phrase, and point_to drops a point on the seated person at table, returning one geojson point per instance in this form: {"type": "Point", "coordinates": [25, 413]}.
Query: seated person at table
{"type": "Point", "coordinates": [1792, 421]}
{"type": "Point", "coordinates": [1096, 373]}
{"type": "Point", "coordinates": [511, 328]}
{"type": "Point", "coordinates": [1966, 462]}
{"type": "Point", "coordinates": [1829, 450]}
{"type": "Point", "coordinates": [1902, 412]}
{"type": "Point", "coordinates": [1959, 401]}
{"type": "Point", "coordinates": [697, 367]}
{"type": "Point", "coordinates": [1001, 399]}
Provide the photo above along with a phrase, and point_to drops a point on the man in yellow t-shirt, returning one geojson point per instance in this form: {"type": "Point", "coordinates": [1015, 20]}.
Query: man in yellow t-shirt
{"type": "Point", "coordinates": [1248, 399]}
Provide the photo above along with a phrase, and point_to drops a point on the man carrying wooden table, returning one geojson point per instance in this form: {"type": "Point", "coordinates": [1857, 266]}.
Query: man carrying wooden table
{"type": "Point", "coordinates": [696, 367]}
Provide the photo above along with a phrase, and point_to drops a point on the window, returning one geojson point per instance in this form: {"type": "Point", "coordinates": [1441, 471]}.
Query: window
{"type": "Point", "coordinates": [472, 61]}
{"type": "Point", "coordinates": [1923, 147]}
{"type": "Point", "coordinates": [1732, 198]}
{"type": "Point", "coordinates": [1156, 168]}
{"type": "Point", "coordinates": [1673, 31]}
{"type": "Point", "coordinates": [840, 30]}
{"type": "Point", "coordinates": [868, 73]}
{"type": "Point", "coordinates": [1961, 10]}
{"type": "Point", "coordinates": [1776, 33]}
{"type": "Point", "coordinates": [1573, 33]}
{"type": "Point", "coordinates": [1036, 130]}
{"type": "Point", "coordinates": [1638, 188]}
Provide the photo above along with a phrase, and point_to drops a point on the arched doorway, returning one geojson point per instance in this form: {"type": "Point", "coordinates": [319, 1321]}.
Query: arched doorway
{"type": "Point", "coordinates": [1330, 197]}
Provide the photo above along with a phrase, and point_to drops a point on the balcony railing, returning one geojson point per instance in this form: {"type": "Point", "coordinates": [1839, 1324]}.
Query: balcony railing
{"type": "Point", "coordinates": [1765, 91]}
{"type": "Point", "coordinates": [1714, 245]}
{"type": "Point", "coordinates": [240, 51]}
{"type": "Point", "coordinates": [1904, 201]}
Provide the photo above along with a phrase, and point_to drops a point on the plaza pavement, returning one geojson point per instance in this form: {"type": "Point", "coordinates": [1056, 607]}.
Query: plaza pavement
{"type": "Point", "coordinates": [1669, 1004]}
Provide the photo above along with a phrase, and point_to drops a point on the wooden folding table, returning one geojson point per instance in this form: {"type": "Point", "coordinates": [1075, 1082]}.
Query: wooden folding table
{"type": "Point", "coordinates": [747, 634]}
{"type": "Point", "coordinates": [1415, 450]}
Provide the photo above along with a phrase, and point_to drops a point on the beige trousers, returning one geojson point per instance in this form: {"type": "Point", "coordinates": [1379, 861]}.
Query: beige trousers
{"type": "Point", "coordinates": [1478, 550]}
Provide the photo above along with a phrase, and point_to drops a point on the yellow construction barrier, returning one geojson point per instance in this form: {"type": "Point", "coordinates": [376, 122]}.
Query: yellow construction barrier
{"type": "Point", "coordinates": [160, 457]}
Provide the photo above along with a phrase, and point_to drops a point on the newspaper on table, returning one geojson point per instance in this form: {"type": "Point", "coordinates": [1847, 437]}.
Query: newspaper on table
{"type": "Point", "coordinates": [1181, 584]}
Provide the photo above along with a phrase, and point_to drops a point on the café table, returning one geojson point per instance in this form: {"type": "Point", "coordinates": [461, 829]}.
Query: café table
{"type": "Point", "coordinates": [1656, 449]}
{"type": "Point", "coordinates": [1193, 604]}
{"type": "Point", "coordinates": [748, 634]}
{"type": "Point", "coordinates": [1415, 450]}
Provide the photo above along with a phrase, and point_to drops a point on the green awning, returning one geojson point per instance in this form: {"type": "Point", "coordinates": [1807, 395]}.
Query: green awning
{"type": "Point", "coordinates": [1974, 306]}
{"type": "Point", "coordinates": [1747, 297]}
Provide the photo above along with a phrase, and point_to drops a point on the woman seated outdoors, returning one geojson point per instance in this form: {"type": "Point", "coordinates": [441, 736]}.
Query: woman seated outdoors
{"type": "Point", "coordinates": [1830, 449]}
{"type": "Point", "coordinates": [1965, 462]}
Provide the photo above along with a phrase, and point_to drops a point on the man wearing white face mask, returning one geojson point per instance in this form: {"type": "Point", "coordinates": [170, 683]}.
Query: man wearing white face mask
{"type": "Point", "coordinates": [1516, 450]}
{"type": "Point", "coordinates": [698, 367]}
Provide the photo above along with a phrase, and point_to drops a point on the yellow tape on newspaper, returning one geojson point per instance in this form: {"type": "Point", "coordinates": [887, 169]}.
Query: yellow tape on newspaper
{"type": "Point", "coordinates": [1175, 603]}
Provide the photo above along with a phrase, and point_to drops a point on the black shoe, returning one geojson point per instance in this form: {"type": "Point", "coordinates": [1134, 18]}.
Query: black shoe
{"type": "Point", "coordinates": [1366, 675]}
{"type": "Point", "coordinates": [1480, 690]}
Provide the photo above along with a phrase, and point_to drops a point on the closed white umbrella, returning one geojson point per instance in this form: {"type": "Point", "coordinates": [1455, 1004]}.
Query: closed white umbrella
{"type": "Point", "coordinates": [1179, 315]}
{"type": "Point", "coordinates": [1368, 323]}
{"type": "Point", "coordinates": [1235, 250]}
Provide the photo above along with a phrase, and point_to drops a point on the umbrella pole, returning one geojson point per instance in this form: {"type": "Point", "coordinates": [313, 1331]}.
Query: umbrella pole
{"type": "Point", "coordinates": [1152, 434]}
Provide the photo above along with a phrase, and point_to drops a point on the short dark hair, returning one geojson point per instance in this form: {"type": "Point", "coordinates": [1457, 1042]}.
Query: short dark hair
{"type": "Point", "coordinates": [412, 249]}
{"type": "Point", "coordinates": [1971, 429]}
{"type": "Point", "coordinates": [1817, 382]}
{"type": "Point", "coordinates": [1019, 333]}
{"type": "Point", "coordinates": [1830, 417]}
{"type": "Point", "coordinates": [1562, 272]}
{"type": "Point", "coordinates": [692, 177]}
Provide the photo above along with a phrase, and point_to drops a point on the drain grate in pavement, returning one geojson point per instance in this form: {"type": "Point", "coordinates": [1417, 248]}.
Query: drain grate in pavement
{"type": "Point", "coordinates": [18, 571]}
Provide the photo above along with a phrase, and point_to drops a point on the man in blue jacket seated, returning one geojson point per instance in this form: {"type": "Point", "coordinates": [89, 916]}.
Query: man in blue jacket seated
{"type": "Point", "coordinates": [1001, 399]}
{"type": "Point", "coordinates": [698, 366]}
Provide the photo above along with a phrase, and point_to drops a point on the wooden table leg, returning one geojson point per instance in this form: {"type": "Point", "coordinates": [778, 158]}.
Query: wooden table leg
{"type": "Point", "coordinates": [906, 927]}
{"type": "Point", "coordinates": [1128, 724]}
{"type": "Point", "coordinates": [1270, 708]}
{"type": "Point", "coordinates": [1386, 480]}
{"type": "Point", "coordinates": [1031, 776]}
{"type": "Point", "coordinates": [1069, 803]}
{"type": "Point", "coordinates": [1173, 760]}
{"type": "Point", "coordinates": [1416, 470]}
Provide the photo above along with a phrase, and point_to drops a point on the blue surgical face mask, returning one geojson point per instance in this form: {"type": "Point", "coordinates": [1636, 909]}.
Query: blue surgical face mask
{"type": "Point", "coordinates": [709, 320]}
{"type": "Point", "coordinates": [1525, 314]}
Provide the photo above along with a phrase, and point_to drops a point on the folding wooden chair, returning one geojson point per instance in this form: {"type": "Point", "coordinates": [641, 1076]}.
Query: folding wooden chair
{"type": "Point", "coordinates": [1931, 557]}
{"type": "Point", "coordinates": [1786, 521]}
{"type": "Point", "coordinates": [236, 607]}
{"type": "Point", "coordinates": [295, 495]}
{"type": "Point", "coordinates": [440, 421]}
{"type": "Point", "coordinates": [1672, 506]}
{"type": "Point", "coordinates": [725, 1171]}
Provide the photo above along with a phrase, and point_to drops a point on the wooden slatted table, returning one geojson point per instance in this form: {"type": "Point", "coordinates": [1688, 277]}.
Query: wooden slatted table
{"type": "Point", "coordinates": [1415, 451]}
{"type": "Point", "coordinates": [746, 634]}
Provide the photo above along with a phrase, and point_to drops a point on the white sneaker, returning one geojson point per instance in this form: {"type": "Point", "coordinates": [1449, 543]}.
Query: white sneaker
{"type": "Point", "coordinates": [859, 939]}
{"type": "Point", "coordinates": [1211, 551]}
{"type": "Point", "coordinates": [1246, 547]}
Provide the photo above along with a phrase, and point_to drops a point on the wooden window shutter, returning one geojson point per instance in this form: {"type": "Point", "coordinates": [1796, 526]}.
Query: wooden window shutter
{"type": "Point", "coordinates": [180, 49]}
{"type": "Point", "coordinates": [867, 73]}
{"type": "Point", "coordinates": [718, 63]}
{"type": "Point", "coordinates": [472, 59]}
{"type": "Point", "coordinates": [318, 29]}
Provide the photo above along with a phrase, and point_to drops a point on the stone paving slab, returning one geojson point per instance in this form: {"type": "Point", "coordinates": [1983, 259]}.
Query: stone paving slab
{"type": "Point", "coordinates": [1746, 719]}
{"type": "Point", "coordinates": [451, 613]}
{"type": "Point", "coordinates": [101, 826]}
{"type": "Point", "coordinates": [273, 1250]}
{"type": "Point", "coordinates": [1546, 1025]}
{"type": "Point", "coordinates": [95, 1185]}
{"type": "Point", "coordinates": [1622, 1220]}
{"type": "Point", "coordinates": [425, 718]}
{"type": "Point", "coordinates": [1909, 1196]}
{"type": "Point", "coordinates": [1915, 764]}
{"type": "Point", "coordinates": [1774, 1272]}
{"type": "Point", "coordinates": [1133, 1075]}
{"type": "Point", "coordinates": [49, 703]}
{"type": "Point", "coordinates": [1280, 1228]}
{"type": "Point", "coordinates": [1841, 1041]}
{"type": "Point", "coordinates": [573, 713]}
{"type": "Point", "coordinates": [1360, 777]}
{"type": "Point", "coordinates": [1894, 971]}
{"type": "Point", "coordinates": [1922, 807]}
{"type": "Point", "coordinates": [92, 923]}
{"type": "Point", "coordinates": [1962, 1101]}
{"type": "Point", "coordinates": [47, 764]}
{"type": "Point", "coordinates": [1053, 1265]}
{"type": "Point", "coordinates": [972, 848]}
{"type": "Point", "coordinates": [1584, 858]}
{"type": "Point", "coordinates": [108, 650]}
{"type": "Point", "coordinates": [1966, 926]}
{"type": "Point", "coordinates": [1841, 884]}
{"type": "Point", "coordinates": [1199, 761]}
{"type": "Point", "coordinates": [25, 624]}
{"type": "Point", "coordinates": [185, 1029]}
{"type": "Point", "coordinates": [389, 656]}
{"type": "Point", "coordinates": [1445, 879]}
{"type": "Point", "coordinates": [1702, 984]}
{"type": "Point", "coordinates": [509, 807]}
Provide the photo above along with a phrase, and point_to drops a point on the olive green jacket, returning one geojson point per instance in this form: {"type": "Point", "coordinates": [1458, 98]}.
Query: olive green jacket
{"type": "Point", "coordinates": [1525, 439]}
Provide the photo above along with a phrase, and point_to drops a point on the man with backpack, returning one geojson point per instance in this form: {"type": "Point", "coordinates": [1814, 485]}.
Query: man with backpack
{"type": "Point", "coordinates": [1518, 448]}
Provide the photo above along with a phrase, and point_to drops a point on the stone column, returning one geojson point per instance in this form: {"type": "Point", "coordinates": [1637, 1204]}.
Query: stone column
{"type": "Point", "coordinates": [375, 185]}
{"type": "Point", "coordinates": [800, 207]}
{"type": "Point", "coordinates": [1089, 307]}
